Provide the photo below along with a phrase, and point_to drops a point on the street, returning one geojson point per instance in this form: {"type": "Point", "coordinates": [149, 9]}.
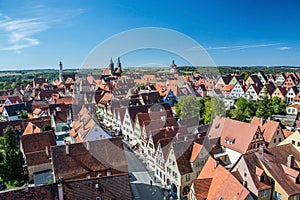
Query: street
{"type": "Point", "coordinates": [140, 179]}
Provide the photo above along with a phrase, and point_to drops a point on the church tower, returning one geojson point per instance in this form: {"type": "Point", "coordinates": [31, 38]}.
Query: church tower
{"type": "Point", "coordinates": [112, 67]}
{"type": "Point", "coordinates": [119, 65]}
{"type": "Point", "coordinates": [60, 71]}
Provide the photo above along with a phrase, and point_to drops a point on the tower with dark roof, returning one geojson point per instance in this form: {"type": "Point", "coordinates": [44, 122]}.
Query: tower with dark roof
{"type": "Point", "coordinates": [60, 71]}
{"type": "Point", "coordinates": [112, 67]}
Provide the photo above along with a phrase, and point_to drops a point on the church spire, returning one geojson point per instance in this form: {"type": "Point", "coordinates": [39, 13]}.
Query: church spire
{"type": "Point", "coordinates": [60, 71]}
{"type": "Point", "coordinates": [112, 67]}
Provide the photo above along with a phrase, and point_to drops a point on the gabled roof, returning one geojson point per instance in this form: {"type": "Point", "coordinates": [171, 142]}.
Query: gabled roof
{"type": "Point", "coordinates": [183, 151]}
{"type": "Point", "coordinates": [31, 128]}
{"type": "Point", "coordinates": [293, 89]}
{"type": "Point", "coordinates": [201, 187]}
{"type": "Point", "coordinates": [36, 142]}
{"type": "Point", "coordinates": [239, 133]}
{"type": "Point", "coordinates": [15, 99]}
{"type": "Point", "coordinates": [80, 160]}
{"type": "Point", "coordinates": [281, 89]}
{"type": "Point", "coordinates": [15, 109]}
{"type": "Point", "coordinates": [221, 184]}
{"type": "Point", "coordinates": [274, 161]}
{"type": "Point", "coordinates": [109, 187]}
{"type": "Point", "coordinates": [269, 129]}
{"type": "Point", "coordinates": [195, 152]}
{"type": "Point", "coordinates": [255, 169]}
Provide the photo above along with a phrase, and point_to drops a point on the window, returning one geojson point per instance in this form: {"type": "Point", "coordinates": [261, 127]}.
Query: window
{"type": "Point", "coordinates": [298, 144]}
{"type": "Point", "coordinates": [279, 139]}
{"type": "Point", "coordinates": [277, 195]}
{"type": "Point", "coordinates": [293, 142]}
{"type": "Point", "coordinates": [98, 198]}
{"type": "Point", "coordinates": [108, 173]}
{"type": "Point", "coordinates": [274, 141]}
{"type": "Point", "coordinates": [188, 177]}
{"type": "Point", "coordinates": [296, 197]}
{"type": "Point", "coordinates": [264, 193]}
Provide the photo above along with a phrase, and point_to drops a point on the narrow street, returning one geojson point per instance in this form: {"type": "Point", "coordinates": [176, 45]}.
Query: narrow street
{"type": "Point", "coordinates": [140, 179]}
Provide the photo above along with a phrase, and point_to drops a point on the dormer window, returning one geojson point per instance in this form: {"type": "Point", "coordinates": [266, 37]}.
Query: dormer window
{"type": "Point", "coordinates": [229, 140]}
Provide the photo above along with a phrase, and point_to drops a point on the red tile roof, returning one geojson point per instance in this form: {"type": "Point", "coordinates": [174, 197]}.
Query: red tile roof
{"type": "Point", "coordinates": [223, 183]}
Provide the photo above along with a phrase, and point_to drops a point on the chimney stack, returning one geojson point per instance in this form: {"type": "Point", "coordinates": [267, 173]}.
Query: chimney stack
{"type": "Point", "coordinates": [291, 161]}
{"type": "Point", "coordinates": [88, 145]}
{"type": "Point", "coordinates": [172, 127]}
{"type": "Point", "coordinates": [216, 163]}
{"type": "Point", "coordinates": [261, 122]}
{"type": "Point", "coordinates": [47, 151]}
{"type": "Point", "coordinates": [67, 148]}
{"type": "Point", "coordinates": [60, 192]}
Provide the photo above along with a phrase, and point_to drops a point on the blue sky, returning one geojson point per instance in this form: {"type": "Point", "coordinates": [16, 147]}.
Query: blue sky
{"type": "Point", "coordinates": [37, 34]}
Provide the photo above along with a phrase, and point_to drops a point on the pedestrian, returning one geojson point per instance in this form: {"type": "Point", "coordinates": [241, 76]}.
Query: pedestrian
{"type": "Point", "coordinates": [151, 183]}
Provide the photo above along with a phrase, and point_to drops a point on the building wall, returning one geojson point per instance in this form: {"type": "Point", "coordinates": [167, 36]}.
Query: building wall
{"type": "Point", "coordinates": [277, 138]}
{"type": "Point", "coordinates": [242, 168]}
{"type": "Point", "coordinates": [127, 129]}
{"type": "Point", "coordinates": [171, 169]}
{"type": "Point", "coordinates": [293, 139]}
{"type": "Point", "coordinates": [233, 155]}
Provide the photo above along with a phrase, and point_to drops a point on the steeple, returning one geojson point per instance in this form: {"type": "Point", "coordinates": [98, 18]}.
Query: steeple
{"type": "Point", "coordinates": [60, 71]}
{"type": "Point", "coordinates": [111, 66]}
{"type": "Point", "coordinates": [119, 65]}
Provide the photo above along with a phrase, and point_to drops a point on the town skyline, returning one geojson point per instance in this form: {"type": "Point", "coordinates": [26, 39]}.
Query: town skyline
{"type": "Point", "coordinates": [36, 35]}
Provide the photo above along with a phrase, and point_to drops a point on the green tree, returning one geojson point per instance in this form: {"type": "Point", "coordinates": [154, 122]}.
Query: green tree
{"type": "Point", "coordinates": [263, 108]}
{"type": "Point", "coordinates": [46, 127]}
{"type": "Point", "coordinates": [278, 106]}
{"type": "Point", "coordinates": [24, 114]}
{"type": "Point", "coordinates": [188, 107]}
{"type": "Point", "coordinates": [11, 165]}
{"type": "Point", "coordinates": [245, 75]}
{"type": "Point", "coordinates": [244, 110]}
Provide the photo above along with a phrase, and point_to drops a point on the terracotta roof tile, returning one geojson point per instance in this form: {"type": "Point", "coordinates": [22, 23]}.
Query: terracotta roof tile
{"type": "Point", "coordinates": [223, 183]}
{"type": "Point", "coordinates": [80, 160]}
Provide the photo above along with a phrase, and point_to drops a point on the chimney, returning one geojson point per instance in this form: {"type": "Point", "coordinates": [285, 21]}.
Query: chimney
{"type": "Point", "coordinates": [47, 151]}
{"type": "Point", "coordinates": [60, 192]}
{"type": "Point", "coordinates": [291, 161]}
{"type": "Point", "coordinates": [216, 163]}
{"type": "Point", "coordinates": [177, 136]}
{"type": "Point", "coordinates": [172, 127]}
{"type": "Point", "coordinates": [88, 145]}
{"type": "Point", "coordinates": [67, 148]}
{"type": "Point", "coordinates": [261, 121]}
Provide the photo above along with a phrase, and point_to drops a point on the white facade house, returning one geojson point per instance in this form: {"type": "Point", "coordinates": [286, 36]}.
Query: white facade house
{"type": "Point", "coordinates": [238, 90]}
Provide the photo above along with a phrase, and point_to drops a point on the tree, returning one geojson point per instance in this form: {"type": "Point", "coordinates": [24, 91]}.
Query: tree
{"type": "Point", "coordinates": [278, 106]}
{"type": "Point", "coordinates": [213, 107]}
{"type": "Point", "coordinates": [46, 127]}
{"type": "Point", "coordinates": [244, 110]}
{"type": "Point", "coordinates": [11, 165]}
{"type": "Point", "coordinates": [263, 108]}
{"type": "Point", "coordinates": [24, 115]}
{"type": "Point", "coordinates": [187, 107]}
{"type": "Point", "coordinates": [245, 75]}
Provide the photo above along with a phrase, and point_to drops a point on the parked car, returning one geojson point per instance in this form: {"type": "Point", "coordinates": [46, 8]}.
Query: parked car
{"type": "Point", "coordinates": [2, 186]}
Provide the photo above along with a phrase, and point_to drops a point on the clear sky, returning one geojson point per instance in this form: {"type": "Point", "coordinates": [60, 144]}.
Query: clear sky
{"type": "Point", "coordinates": [37, 34]}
